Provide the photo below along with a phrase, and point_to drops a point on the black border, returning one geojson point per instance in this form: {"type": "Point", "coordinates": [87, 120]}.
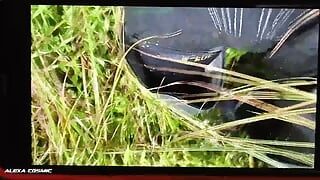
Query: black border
{"type": "Point", "coordinates": [198, 3]}
{"type": "Point", "coordinates": [15, 20]}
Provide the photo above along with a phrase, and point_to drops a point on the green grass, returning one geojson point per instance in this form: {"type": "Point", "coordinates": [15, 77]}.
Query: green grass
{"type": "Point", "coordinates": [88, 108]}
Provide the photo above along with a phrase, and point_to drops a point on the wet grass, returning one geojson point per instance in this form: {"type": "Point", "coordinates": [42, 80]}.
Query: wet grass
{"type": "Point", "coordinates": [88, 108]}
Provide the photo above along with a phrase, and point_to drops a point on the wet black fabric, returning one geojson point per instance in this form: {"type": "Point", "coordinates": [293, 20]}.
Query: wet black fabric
{"type": "Point", "coordinates": [206, 31]}
{"type": "Point", "coordinates": [253, 29]}
{"type": "Point", "coordinates": [256, 30]}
